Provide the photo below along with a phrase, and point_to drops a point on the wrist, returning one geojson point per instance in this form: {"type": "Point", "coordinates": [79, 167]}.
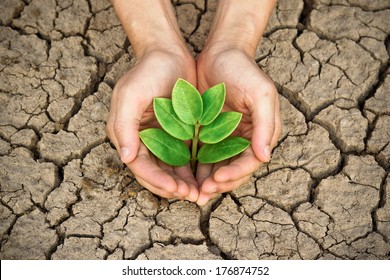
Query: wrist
{"type": "Point", "coordinates": [228, 32]}
{"type": "Point", "coordinates": [177, 49]}
{"type": "Point", "coordinates": [150, 26]}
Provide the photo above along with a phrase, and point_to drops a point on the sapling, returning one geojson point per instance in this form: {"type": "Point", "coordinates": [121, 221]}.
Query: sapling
{"type": "Point", "coordinates": [192, 116]}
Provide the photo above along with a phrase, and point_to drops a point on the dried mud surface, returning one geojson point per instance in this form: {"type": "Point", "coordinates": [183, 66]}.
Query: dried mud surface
{"type": "Point", "coordinates": [65, 194]}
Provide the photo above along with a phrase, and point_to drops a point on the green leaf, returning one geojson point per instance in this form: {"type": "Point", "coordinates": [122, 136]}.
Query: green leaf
{"type": "Point", "coordinates": [164, 146]}
{"type": "Point", "coordinates": [187, 102]}
{"type": "Point", "coordinates": [213, 100]}
{"type": "Point", "coordinates": [231, 146]}
{"type": "Point", "coordinates": [169, 121]}
{"type": "Point", "coordinates": [220, 128]}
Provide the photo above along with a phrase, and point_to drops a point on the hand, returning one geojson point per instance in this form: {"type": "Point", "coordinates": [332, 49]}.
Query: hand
{"type": "Point", "coordinates": [250, 92]}
{"type": "Point", "coordinates": [131, 110]}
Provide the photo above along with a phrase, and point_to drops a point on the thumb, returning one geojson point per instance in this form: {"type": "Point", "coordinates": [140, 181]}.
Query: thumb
{"type": "Point", "coordinates": [263, 119]}
{"type": "Point", "coordinates": [126, 127]}
{"type": "Point", "coordinates": [126, 132]}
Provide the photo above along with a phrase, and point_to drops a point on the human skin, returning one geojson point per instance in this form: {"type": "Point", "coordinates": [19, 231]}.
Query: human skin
{"type": "Point", "coordinates": [162, 58]}
{"type": "Point", "coordinates": [228, 56]}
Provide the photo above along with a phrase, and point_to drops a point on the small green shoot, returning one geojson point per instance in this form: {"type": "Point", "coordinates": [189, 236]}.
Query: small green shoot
{"type": "Point", "coordinates": [192, 116]}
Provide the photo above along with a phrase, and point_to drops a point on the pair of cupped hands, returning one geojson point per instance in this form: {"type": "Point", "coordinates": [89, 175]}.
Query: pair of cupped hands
{"type": "Point", "coordinates": [248, 90]}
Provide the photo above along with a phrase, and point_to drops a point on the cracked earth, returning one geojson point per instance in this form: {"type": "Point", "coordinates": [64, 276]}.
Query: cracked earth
{"type": "Point", "coordinates": [66, 195]}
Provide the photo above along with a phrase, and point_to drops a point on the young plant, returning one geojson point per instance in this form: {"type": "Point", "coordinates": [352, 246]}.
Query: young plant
{"type": "Point", "coordinates": [192, 116]}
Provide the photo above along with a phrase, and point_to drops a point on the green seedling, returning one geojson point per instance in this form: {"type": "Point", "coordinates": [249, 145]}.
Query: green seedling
{"type": "Point", "coordinates": [192, 116]}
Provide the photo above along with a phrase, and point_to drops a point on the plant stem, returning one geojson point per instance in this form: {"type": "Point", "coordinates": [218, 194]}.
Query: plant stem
{"type": "Point", "coordinates": [194, 150]}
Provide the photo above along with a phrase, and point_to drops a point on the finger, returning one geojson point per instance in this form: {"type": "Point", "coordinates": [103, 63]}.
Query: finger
{"type": "Point", "coordinates": [185, 173]}
{"type": "Point", "coordinates": [110, 123]}
{"type": "Point", "coordinates": [148, 171]}
{"type": "Point", "coordinates": [153, 189]}
{"type": "Point", "coordinates": [223, 187]}
{"type": "Point", "coordinates": [278, 124]}
{"type": "Point", "coordinates": [129, 110]}
{"type": "Point", "coordinates": [244, 165]}
{"type": "Point", "coordinates": [209, 185]}
{"type": "Point", "coordinates": [204, 198]}
{"type": "Point", "coordinates": [263, 117]}
{"type": "Point", "coordinates": [182, 189]}
{"type": "Point", "coordinates": [194, 193]}
{"type": "Point", "coordinates": [203, 172]}
{"type": "Point", "coordinates": [232, 185]}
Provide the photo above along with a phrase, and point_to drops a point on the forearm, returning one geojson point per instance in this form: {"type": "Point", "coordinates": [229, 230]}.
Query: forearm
{"type": "Point", "coordinates": [149, 25]}
{"type": "Point", "coordinates": [240, 24]}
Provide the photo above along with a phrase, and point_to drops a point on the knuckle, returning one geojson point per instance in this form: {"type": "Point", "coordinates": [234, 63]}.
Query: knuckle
{"type": "Point", "coordinates": [269, 90]}
{"type": "Point", "coordinates": [119, 127]}
{"type": "Point", "coordinates": [270, 126]}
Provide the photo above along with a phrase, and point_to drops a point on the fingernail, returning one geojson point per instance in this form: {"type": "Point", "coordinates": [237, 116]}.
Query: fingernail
{"type": "Point", "coordinates": [267, 152]}
{"type": "Point", "coordinates": [125, 152]}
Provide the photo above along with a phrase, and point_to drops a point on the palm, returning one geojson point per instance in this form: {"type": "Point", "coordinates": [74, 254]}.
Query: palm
{"type": "Point", "coordinates": [245, 86]}
{"type": "Point", "coordinates": [132, 111]}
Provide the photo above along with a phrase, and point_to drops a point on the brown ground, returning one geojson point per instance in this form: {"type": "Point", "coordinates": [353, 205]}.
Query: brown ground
{"type": "Point", "coordinates": [65, 194]}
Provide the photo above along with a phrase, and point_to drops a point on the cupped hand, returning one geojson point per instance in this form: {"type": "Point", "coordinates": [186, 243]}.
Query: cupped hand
{"type": "Point", "coordinates": [249, 91]}
{"type": "Point", "coordinates": [131, 111]}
